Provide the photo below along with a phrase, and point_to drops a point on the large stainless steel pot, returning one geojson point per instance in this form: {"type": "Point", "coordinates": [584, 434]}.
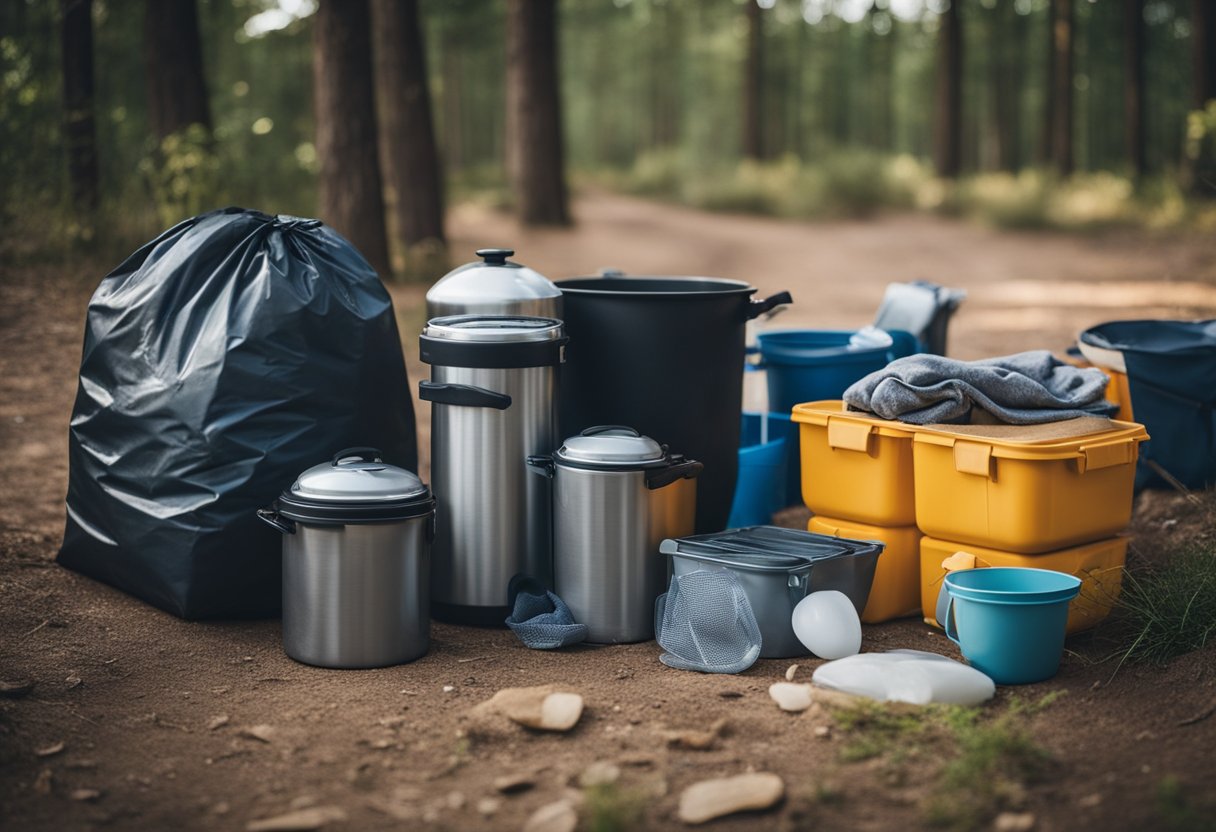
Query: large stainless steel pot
{"type": "Point", "coordinates": [493, 388]}
{"type": "Point", "coordinates": [494, 286]}
{"type": "Point", "coordinates": [356, 557]}
{"type": "Point", "coordinates": [616, 496]}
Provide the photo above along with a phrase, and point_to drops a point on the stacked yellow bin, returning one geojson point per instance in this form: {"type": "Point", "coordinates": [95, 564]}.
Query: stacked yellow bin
{"type": "Point", "coordinates": [1050, 496]}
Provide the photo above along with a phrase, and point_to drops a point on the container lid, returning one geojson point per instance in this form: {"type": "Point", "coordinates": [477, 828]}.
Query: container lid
{"type": "Point", "coordinates": [493, 329]}
{"type": "Point", "coordinates": [1095, 442]}
{"type": "Point", "coordinates": [836, 411]}
{"type": "Point", "coordinates": [611, 446]}
{"type": "Point", "coordinates": [492, 279]}
{"type": "Point", "coordinates": [356, 486]}
{"type": "Point", "coordinates": [767, 548]}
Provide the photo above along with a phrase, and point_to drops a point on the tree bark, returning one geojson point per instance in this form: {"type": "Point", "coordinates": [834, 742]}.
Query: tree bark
{"type": "Point", "coordinates": [1203, 40]}
{"type": "Point", "coordinates": [1005, 35]}
{"type": "Point", "coordinates": [173, 56]}
{"type": "Point", "coordinates": [412, 166]}
{"type": "Point", "coordinates": [1061, 83]}
{"type": "Point", "coordinates": [1044, 152]}
{"type": "Point", "coordinates": [949, 99]}
{"type": "Point", "coordinates": [349, 186]}
{"type": "Point", "coordinates": [753, 84]}
{"type": "Point", "coordinates": [1133, 84]}
{"type": "Point", "coordinates": [535, 156]}
{"type": "Point", "coordinates": [79, 129]}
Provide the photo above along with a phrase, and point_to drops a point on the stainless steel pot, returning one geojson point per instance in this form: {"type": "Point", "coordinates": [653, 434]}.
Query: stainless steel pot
{"type": "Point", "coordinates": [616, 496]}
{"type": "Point", "coordinates": [494, 286]}
{"type": "Point", "coordinates": [356, 562]}
{"type": "Point", "coordinates": [493, 389]}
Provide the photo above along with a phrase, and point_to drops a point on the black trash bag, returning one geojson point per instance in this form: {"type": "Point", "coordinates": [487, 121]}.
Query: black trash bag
{"type": "Point", "coordinates": [221, 360]}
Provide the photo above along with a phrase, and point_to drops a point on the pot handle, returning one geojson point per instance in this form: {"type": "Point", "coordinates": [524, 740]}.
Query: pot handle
{"type": "Point", "coordinates": [278, 521]}
{"type": "Point", "coordinates": [678, 470]}
{"type": "Point", "coordinates": [462, 395]}
{"type": "Point", "coordinates": [948, 623]}
{"type": "Point", "coordinates": [756, 308]}
{"type": "Point", "coordinates": [598, 429]}
{"type": "Point", "coordinates": [365, 454]}
{"type": "Point", "coordinates": [540, 464]}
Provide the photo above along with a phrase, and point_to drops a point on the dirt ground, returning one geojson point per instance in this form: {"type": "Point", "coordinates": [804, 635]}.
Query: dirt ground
{"type": "Point", "coordinates": [137, 720]}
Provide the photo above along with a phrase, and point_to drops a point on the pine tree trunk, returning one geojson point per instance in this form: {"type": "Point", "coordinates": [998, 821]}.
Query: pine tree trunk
{"type": "Point", "coordinates": [1203, 40]}
{"type": "Point", "coordinates": [451, 98]}
{"type": "Point", "coordinates": [1005, 28]}
{"type": "Point", "coordinates": [1133, 84]}
{"type": "Point", "coordinates": [79, 130]}
{"type": "Point", "coordinates": [173, 56]}
{"type": "Point", "coordinates": [411, 160]}
{"type": "Point", "coordinates": [349, 187]}
{"type": "Point", "coordinates": [949, 98]}
{"type": "Point", "coordinates": [535, 157]}
{"type": "Point", "coordinates": [1047, 132]}
{"type": "Point", "coordinates": [753, 84]}
{"type": "Point", "coordinates": [1061, 83]}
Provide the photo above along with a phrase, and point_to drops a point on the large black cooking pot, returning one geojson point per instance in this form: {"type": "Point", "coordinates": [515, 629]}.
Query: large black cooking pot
{"type": "Point", "coordinates": [663, 355]}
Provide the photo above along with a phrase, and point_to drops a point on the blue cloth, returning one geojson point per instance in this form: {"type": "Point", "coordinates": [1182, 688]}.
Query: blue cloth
{"type": "Point", "coordinates": [540, 619]}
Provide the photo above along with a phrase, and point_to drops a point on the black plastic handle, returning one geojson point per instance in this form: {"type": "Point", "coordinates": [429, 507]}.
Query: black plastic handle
{"type": "Point", "coordinates": [678, 470]}
{"type": "Point", "coordinates": [365, 454]}
{"type": "Point", "coordinates": [540, 464]}
{"type": "Point", "coordinates": [495, 256]}
{"type": "Point", "coordinates": [596, 430]}
{"type": "Point", "coordinates": [462, 395]}
{"type": "Point", "coordinates": [759, 307]}
{"type": "Point", "coordinates": [272, 518]}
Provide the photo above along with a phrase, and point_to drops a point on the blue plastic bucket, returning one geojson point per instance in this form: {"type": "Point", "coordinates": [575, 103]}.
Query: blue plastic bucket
{"type": "Point", "coordinates": [1010, 621]}
{"type": "Point", "coordinates": [810, 365]}
{"type": "Point", "coordinates": [761, 486]}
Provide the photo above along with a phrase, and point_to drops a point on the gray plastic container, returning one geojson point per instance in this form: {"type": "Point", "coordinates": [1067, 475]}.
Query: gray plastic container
{"type": "Point", "coordinates": [778, 568]}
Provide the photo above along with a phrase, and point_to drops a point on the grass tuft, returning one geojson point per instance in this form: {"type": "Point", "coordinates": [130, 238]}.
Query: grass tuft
{"type": "Point", "coordinates": [609, 808]}
{"type": "Point", "coordinates": [1170, 610]}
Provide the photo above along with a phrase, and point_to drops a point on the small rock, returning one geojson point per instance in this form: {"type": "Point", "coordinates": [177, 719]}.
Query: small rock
{"type": "Point", "coordinates": [43, 782]}
{"type": "Point", "coordinates": [488, 806]}
{"type": "Point", "coordinates": [50, 750]}
{"type": "Point", "coordinates": [790, 672]}
{"type": "Point", "coordinates": [261, 733]}
{"type": "Point", "coordinates": [221, 808]}
{"type": "Point", "coordinates": [449, 688]}
{"type": "Point", "coordinates": [87, 795]}
{"type": "Point", "coordinates": [299, 821]}
{"type": "Point", "coordinates": [15, 688]}
{"type": "Point", "coordinates": [791, 696]}
{"type": "Point", "coordinates": [599, 773]}
{"type": "Point", "coordinates": [1014, 822]}
{"type": "Point", "coordinates": [823, 731]}
{"type": "Point", "coordinates": [711, 799]}
{"type": "Point", "coordinates": [73, 681]}
{"type": "Point", "coordinates": [454, 801]}
{"type": "Point", "coordinates": [553, 817]}
{"type": "Point", "coordinates": [217, 722]}
{"type": "Point", "coordinates": [695, 739]}
{"type": "Point", "coordinates": [1090, 801]}
{"type": "Point", "coordinates": [542, 708]}
{"type": "Point", "coordinates": [513, 783]}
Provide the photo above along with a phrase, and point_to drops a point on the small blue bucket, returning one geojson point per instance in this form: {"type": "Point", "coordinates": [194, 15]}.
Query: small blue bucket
{"type": "Point", "coordinates": [811, 365]}
{"type": "Point", "coordinates": [1010, 621]}
{"type": "Point", "coordinates": [761, 486]}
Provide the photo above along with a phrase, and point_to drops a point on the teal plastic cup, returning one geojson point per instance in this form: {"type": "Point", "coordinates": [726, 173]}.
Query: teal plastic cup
{"type": "Point", "coordinates": [1010, 621]}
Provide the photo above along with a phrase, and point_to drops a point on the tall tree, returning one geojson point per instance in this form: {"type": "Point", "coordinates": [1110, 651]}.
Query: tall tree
{"type": "Point", "coordinates": [411, 159]}
{"type": "Point", "coordinates": [1061, 85]}
{"type": "Point", "coordinates": [80, 133]}
{"type": "Point", "coordinates": [948, 132]}
{"type": "Point", "coordinates": [1203, 52]}
{"type": "Point", "coordinates": [344, 102]}
{"type": "Point", "coordinates": [1133, 84]}
{"type": "Point", "coordinates": [535, 157]}
{"type": "Point", "coordinates": [753, 84]}
{"type": "Point", "coordinates": [1005, 37]}
{"type": "Point", "coordinates": [173, 58]}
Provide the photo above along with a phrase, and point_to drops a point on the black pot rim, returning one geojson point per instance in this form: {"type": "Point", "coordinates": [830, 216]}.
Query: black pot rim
{"type": "Point", "coordinates": [581, 286]}
{"type": "Point", "coordinates": [314, 512]}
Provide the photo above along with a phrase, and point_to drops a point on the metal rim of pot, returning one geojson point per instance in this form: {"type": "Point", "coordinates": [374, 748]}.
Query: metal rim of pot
{"type": "Point", "coordinates": [598, 454]}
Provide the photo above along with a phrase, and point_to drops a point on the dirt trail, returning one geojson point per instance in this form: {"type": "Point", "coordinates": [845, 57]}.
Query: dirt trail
{"type": "Point", "coordinates": [133, 693]}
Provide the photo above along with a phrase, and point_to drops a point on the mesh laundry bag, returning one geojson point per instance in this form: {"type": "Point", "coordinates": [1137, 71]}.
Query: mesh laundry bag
{"type": "Point", "coordinates": [704, 622]}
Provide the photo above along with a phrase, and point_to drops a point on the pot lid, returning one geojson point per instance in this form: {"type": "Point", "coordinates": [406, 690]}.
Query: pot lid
{"type": "Point", "coordinates": [495, 329]}
{"type": "Point", "coordinates": [492, 279]}
{"type": "Point", "coordinates": [357, 475]}
{"type": "Point", "coordinates": [610, 446]}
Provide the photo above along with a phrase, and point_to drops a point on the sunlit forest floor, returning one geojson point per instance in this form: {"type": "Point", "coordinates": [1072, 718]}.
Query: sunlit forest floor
{"type": "Point", "coordinates": [154, 714]}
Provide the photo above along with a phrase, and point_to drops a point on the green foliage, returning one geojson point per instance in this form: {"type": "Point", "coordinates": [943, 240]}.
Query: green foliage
{"type": "Point", "coordinates": [185, 174]}
{"type": "Point", "coordinates": [1170, 610]}
{"type": "Point", "coordinates": [609, 808]}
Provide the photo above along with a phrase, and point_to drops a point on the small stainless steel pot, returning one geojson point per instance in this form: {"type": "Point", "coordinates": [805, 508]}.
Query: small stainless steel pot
{"type": "Point", "coordinates": [357, 536]}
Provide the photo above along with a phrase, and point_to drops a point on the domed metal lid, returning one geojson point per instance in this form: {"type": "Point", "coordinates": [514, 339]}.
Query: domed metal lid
{"type": "Point", "coordinates": [611, 446]}
{"type": "Point", "coordinates": [493, 279]}
{"type": "Point", "coordinates": [355, 486]}
{"type": "Point", "coordinates": [495, 329]}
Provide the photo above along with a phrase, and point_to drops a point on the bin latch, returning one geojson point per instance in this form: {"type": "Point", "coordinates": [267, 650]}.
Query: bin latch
{"type": "Point", "coordinates": [1095, 457]}
{"type": "Point", "coordinates": [849, 436]}
{"type": "Point", "coordinates": [973, 458]}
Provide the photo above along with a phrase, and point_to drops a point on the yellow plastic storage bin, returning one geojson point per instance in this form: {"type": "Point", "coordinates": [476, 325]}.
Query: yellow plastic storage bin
{"type": "Point", "coordinates": [1026, 489]}
{"type": "Point", "coordinates": [1098, 565]}
{"type": "Point", "coordinates": [895, 592]}
{"type": "Point", "coordinates": [855, 466]}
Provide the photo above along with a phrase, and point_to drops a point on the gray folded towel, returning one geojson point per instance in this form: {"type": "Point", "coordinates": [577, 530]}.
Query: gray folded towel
{"type": "Point", "coordinates": [539, 618]}
{"type": "Point", "coordinates": [1028, 388]}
